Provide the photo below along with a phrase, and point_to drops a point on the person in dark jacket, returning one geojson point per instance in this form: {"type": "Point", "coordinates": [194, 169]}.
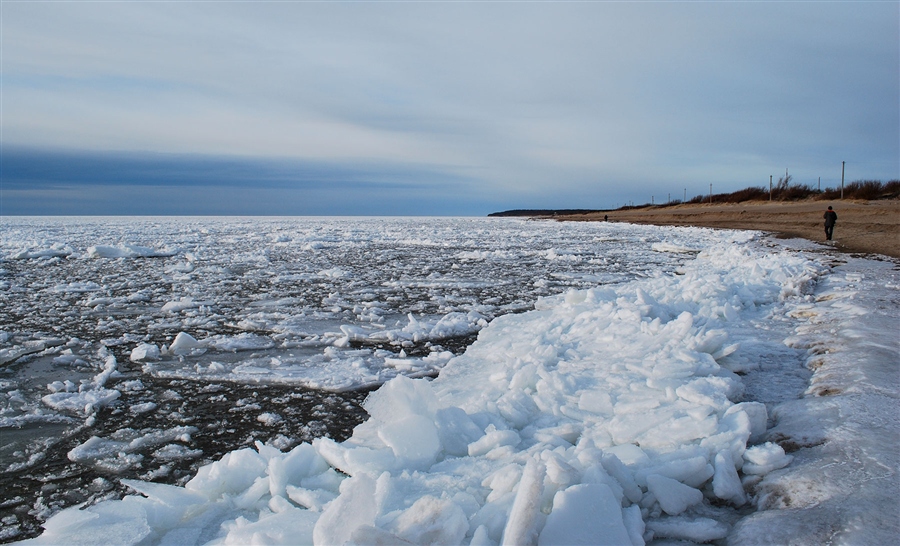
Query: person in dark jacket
{"type": "Point", "coordinates": [830, 220]}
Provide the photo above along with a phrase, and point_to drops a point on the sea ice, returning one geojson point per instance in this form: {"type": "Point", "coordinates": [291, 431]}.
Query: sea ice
{"type": "Point", "coordinates": [603, 415]}
{"type": "Point", "coordinates": [585, 514]}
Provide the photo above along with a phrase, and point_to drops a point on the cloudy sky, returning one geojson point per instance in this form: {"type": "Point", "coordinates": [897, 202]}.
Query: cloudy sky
{"type": "Point", "coordinates": [437, 108]}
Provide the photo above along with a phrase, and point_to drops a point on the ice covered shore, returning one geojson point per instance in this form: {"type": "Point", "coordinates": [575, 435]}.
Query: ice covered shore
{"type": "Point", "coordinates": [606, 416]}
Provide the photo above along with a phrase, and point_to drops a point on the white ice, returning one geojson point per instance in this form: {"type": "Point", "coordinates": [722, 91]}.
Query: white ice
{"type": "Point", "coordinates": [606, 415]}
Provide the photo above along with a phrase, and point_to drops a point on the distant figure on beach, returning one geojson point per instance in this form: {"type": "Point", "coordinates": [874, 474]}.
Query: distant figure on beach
{"type": "Point", "coordinates": [606, 217]}
{"type": "Point", "coordinates": [830, 220]}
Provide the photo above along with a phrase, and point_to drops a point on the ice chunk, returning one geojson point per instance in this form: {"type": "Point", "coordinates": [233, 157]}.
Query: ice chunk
{"type": "Point", "coordinates": [671, 247]}
{"type": "Point", "coordinates": [628, 454]}
{"type": "Point", "coordinates": [185, 344]}
{"type": "Point", "coordinates": [352, 509]}
{"type": "Point", "coordinates": [567, 432]}
{"type": "Point", "coordinates": [330, 480]}
{"type": "Point", "coordinates": [413, 439]}
{"type": "Point", "coordinates": [367, 535]}
{"type": "Point", "coordinates": [676, 430]}
{"type": "Point", "coordinates": [585, 514]}
{"type": "Point", "coordinates": [134, 385]}
{"type": "Point", "coordinates": [60, 386]}
{"type": "Point", "coordinates": [559, 472]}
{"type": "Point", "coordinates": [673, 496]}
{"type": "Point", "coordinates": [596, 402]}
{"type": "Point", "coordinates": [692, 471]}
{"type": "Point", "coordinates": [481, 537]}
{"type": "Point", "coordinates": [292, 468]}
{"type": "Point", "coordinates": [240, 342]}
{"type": "Point", "coordinates": [312, 499]}
{"type": "Point", "coordinates": [457, 324]}
{"type": "Point", "coordinates": [109, 523]}
{"type": "Point", "coordinates": [682, 528]}
{"type": "Point", "coordinates": [521, 525]}
{"type": "Point", "coordinates": [709, 391]}
{"type": "Point", "coordinates": [62, 522]}
{"type": "Point", "coordinates": [518, 408]}
{"type": "Point", "coordinates": [269, 419]}
{"type": "Point", "coordinates": [179, 305]}
{"type": "Point", "coordinates": [178, 499]}
{"type": "Point", "coordinates": [634, 524]}
{"type": "Point", "coordinates": [176, 452]}
{"type": "Point", "coordinates": [144, 352]}
{"type": "Point", "coordinates": [456, 430]}
{"type": "Point", "coordinates": [114, 461]}
{"type": "Point", "coordinates": [127, 251]}
{"type": "Point", "coordinates": [142, 408]}
{"type": "Point", "coordinates": [288, 526]}
{"type": "Point", "coordinates": [765, 458]}
{"type": "Point", "coordinates": [492, 440]}
{"type": "Point", "coordinates": [620, 472]}
{"type": "Point", "coordinates": [431, 521]}
{"type": "Point", "coordinates": [502, 481]}
{"type": "Point", "coordinates": [335, 273]}
{"type": "Point", "coordinates": [726, 482]}
{"type": "Point", "coordinates": [232, 474]}
{"type": "Point", "coordinates": [757, 415]}
{"type": "Point", "coordinates": [352, 458]}
{"type": "Point", "coordinates": [400, 397]}
{"type": "Point", "coordinates": [81, 402]}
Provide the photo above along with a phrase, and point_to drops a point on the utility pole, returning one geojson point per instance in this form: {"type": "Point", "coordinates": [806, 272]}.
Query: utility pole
{"type": "Point", "coordinates": [669, 200]}
{"type": "Point", "coordinates": [842, 178]}
{"type": "Point", "coordinates": [710, 194]}
{"type": "Point", "coordinates": [820, 184]}
{"type": "Point", "coordinates": [685, 195]}
{"type": "Point", "coordinates": [770, 187]}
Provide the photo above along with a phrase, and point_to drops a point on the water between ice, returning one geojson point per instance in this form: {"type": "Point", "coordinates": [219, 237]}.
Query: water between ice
{"type": "Point", "coordinates": [155, 345]}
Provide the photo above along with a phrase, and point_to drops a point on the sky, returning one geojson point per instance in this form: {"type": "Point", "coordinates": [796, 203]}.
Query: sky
{"type": "Point", "coordinates": [436, 108]}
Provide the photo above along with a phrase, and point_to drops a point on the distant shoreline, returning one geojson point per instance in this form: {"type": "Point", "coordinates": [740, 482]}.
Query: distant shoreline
{"type": "Point", "coordinates": [862, 226]}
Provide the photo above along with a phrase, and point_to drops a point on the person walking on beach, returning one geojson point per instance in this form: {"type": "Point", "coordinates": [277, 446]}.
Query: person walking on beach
{"type": "Point", "coordinates": [830, 220]}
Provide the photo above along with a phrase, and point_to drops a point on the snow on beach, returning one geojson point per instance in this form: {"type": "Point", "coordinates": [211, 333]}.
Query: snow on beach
{"type": "Point", "coordinates": [729, 374]}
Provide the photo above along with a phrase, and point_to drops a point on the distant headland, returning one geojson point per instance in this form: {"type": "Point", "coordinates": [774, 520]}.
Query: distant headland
{"type": "Point", "coordinates": [543, 212]}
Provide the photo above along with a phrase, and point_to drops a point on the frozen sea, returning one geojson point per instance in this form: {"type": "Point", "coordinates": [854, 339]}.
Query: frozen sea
{"type": "Point", "coordinates": [442, 381]}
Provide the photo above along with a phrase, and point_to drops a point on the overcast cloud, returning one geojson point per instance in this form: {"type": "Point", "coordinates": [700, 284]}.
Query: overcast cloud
{"type": "Point", "coordinates": [436, 108]}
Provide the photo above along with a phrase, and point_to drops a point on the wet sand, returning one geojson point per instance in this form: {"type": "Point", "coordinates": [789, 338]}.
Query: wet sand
{"type": "Point", "coordinates": [862, 226]}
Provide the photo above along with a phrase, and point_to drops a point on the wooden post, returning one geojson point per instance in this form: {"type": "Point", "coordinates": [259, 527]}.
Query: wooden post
{"type": "Point", "coordinates": [770, 187]}
{"type": "Point", "coordinates": [842, 178]}
{"type": "Point", "coordinates": [710, 194]}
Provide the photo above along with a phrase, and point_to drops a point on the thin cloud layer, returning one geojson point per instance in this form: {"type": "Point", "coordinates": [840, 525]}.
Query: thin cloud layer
{"type": "Point", "coordinates": [535, 104]}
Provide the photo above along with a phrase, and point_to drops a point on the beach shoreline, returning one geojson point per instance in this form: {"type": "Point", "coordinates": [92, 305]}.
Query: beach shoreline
{"type": "Point", "coordinates": [864, 227]}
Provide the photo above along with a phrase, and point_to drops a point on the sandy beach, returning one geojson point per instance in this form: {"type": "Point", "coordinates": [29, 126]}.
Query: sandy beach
{"type": "Point", "coordinates": [862, 226]}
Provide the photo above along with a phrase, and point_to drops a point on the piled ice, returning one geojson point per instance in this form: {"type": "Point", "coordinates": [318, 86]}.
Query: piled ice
{"type": "Point", "coordinates": [604, 416]}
